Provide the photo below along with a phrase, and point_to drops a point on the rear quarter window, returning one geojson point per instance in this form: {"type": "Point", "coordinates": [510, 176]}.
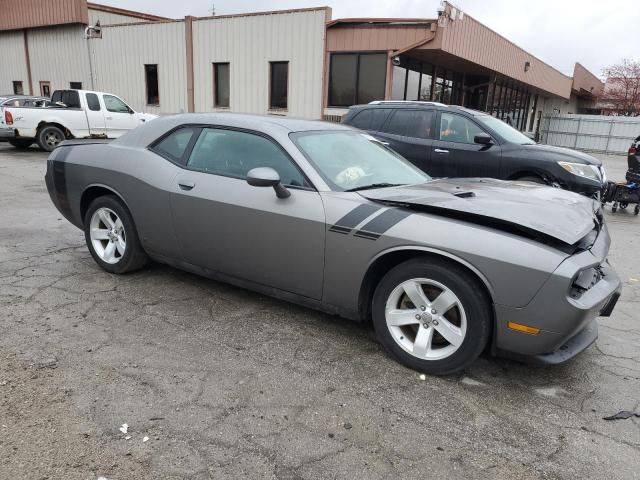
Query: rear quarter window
{"type": "Point", "coordinates": [174, 146]}
{"type": "Point", "coordinates": [370, 119]}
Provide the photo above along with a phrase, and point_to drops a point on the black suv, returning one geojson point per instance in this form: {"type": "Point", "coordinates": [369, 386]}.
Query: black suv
{"type": "Point", "coordinates": [451, 141]}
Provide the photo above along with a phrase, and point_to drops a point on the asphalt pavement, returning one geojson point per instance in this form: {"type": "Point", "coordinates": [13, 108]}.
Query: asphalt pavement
{"type": "Point", "coordinates": [224, 383]}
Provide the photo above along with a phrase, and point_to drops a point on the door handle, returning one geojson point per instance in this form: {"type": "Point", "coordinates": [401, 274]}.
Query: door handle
{"type": "Point", "coordinates": [186, 184]}
{"type": "Point", "coordinates": [108, 118]}
{"type": "Point", "coordinates": [439, 150]}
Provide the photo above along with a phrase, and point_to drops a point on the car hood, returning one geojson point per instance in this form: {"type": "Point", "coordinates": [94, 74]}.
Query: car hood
{"type": "Point", "coordinates": [521, 207]}
{"type": "Point", "coordinates": [559, 154]}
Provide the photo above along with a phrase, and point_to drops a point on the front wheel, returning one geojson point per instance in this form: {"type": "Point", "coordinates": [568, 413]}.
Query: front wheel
{"type": "Point", "coordinates": [49, 137]}
{"type": "Point", "coordinates": [21, 144]}
{"type": "Point", "coordinates": [112, 237]}
{"type": "Point", "coordinates": [431, 316]}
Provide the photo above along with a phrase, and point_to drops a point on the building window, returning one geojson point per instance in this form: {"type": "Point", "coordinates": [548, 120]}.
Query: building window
{"type": "Point", "coordinates": [151, 78]}
{"type": "Point", "coordinates": [221, 85]}
{"type": "Point", "coordinates": [17, 88]}
{"type": "Point", "coordinates": [45, 89]}
{"type": "Point", "coordinates": [75, 85]}
{"type": "Point", "coordinates": [279, 85]}
{"type": "Point", "coordinates": [356, 78]}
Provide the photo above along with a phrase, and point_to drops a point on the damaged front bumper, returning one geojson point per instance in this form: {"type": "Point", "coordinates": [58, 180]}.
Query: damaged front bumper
{"type": "Point", "coordinates": [564, 309]}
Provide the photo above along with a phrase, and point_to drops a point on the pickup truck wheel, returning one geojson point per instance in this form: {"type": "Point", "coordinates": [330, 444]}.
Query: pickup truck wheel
{"type": "Point", "coordinates": [21, 144]}
{"type": "Point", "coordinates": [49, 137]}
{"type": "Point", "coordinates": [431, 316]}
{"type": "Point", "coordinates": [112, 237]}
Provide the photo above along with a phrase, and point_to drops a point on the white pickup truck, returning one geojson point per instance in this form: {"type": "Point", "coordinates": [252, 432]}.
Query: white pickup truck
{"type": "Point", "coordinates": [72, 114]}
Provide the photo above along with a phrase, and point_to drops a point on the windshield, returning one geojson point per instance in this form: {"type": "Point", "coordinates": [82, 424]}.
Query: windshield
{"type": "Point", "coordinates": [507, 132]}
{"type": "Point", "coordinates": [352, 160]}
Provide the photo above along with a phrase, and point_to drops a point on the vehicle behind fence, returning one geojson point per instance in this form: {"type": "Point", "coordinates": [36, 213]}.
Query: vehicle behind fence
{"type": "Point", "coordinates": [593, 133]}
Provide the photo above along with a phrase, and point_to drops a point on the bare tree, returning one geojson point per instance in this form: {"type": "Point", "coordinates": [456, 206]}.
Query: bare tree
{"type": "Point", "coordinates": [622, 88]}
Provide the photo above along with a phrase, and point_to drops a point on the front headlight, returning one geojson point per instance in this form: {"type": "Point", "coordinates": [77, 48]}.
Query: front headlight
{"type": "Point", "coordinates": [581, 170]}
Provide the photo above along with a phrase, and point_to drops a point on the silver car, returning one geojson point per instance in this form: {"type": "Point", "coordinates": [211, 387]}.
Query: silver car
{"type": "Point", "coordinates": [328, 217]}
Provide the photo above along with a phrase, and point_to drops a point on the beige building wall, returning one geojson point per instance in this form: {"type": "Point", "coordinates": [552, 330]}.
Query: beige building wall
{"type": "Point", "coordinates": [58, 55]}
{"type": "Point", "coordinates": [120, 55]}
{"type": "Point", "coordinates": [248, 43]}
{"type": "Point", "coordinates": [12, 60]}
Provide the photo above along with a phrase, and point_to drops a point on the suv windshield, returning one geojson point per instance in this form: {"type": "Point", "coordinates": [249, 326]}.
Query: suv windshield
{"type": "Point", "coordinates": [353, 161]}
{"type": "Point", "coordinates": [508, 133]}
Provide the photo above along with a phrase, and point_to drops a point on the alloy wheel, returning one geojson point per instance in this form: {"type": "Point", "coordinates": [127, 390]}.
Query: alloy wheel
{"type": "Point", "coordinates": [426, 319]}
{"type": "Point", "coordinates": [108, 237]}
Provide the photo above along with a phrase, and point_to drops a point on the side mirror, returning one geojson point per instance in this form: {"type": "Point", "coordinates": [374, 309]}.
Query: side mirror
{"type": "Point", "coordinates": [483, 139]}
{"type": "Point", "coordinates": [267, 177]}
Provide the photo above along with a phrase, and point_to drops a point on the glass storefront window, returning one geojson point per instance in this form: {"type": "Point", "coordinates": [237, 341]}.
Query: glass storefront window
{"type": "Point", "coordinates": [398, 83]}
{"type": "Point", "coordinates": [413, 84]}
{"type": "Point", "coordinates": [425, 82]}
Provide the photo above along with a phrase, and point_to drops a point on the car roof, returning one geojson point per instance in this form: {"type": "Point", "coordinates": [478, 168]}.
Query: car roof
{"type": "Point", "coordinates": [413, 105]}
{"type": "Point", "coordinates": [272, 125]}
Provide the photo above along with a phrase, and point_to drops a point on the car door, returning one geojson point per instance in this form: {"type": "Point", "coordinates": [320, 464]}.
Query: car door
{"type": "Point", "coordinates": [227, 226]}
{"type": "Point", "coordinates": [119, 117]}
{"type": "Point", "coordinates": [455, 153]}
{"type": "Point", "coordinates": [95, 114]}
{"type": "Point", "coordinates": [408, 132]}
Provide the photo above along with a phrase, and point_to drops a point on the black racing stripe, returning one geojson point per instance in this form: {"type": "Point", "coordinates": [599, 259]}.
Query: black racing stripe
{"type": "Point", "coordinates": [382, 223]}
{"type": "Point", "coordinates": [59, 179]}
{"type": "Point", "coordinates": [367, 235]}
{"type": "Point", "coordinates": [338, 229]}
{"type": "Point", "coordinates": [354, 217]}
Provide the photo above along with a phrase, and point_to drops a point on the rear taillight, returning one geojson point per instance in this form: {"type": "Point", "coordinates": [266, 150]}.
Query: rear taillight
{"type": "Point", "coordinates": [632, 150]}
{"type": "Point", "coordinates": [8, 118]}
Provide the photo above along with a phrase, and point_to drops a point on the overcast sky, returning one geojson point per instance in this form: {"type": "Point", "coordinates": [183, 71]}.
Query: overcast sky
{"type": "Point", "coordinates": [595, 33]}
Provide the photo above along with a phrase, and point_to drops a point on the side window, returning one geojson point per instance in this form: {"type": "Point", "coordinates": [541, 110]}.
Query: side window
{"type": "Point", "coordinates": [175, 145]}
{"type": "Point", "coordinates": [456, 128]}
{"type": "Point", "coordinates": [92, 102]}
{"type": "Point", "coordinates": [363, 120]}
{"type": "Point", "coordinates": [411, 123]}
{"type": "Point", "coordinates": [71, 98]}
{"type": "Point", "coordinates": [233, 154]}
{"type": "Point", "coordinates": [114, 104]}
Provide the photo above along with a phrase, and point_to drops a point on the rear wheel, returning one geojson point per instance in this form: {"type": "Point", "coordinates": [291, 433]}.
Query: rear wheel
{"type": "Point", "coordinates": [22, 144]}
{"type": "Point", "coordinates": [49, 137]}
{"type": "Point", "coordinates": [111, 236]}
{"type": "Point", "coordinates": [431, 316]}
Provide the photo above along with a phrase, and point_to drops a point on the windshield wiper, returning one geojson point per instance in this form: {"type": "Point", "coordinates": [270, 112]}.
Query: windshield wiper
{"type": "Point", "coordinates": [374, 185]}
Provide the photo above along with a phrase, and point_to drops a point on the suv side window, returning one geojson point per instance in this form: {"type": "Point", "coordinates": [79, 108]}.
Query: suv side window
{"type": "Point", "coordinates": [233, 153]}
{"type": "Point", "coordinates": [174, 145]}
{"type": "Point", "coordinates": [456, 128]}
{"type": "Point", "coordinates": [411, 123]}
{"type": "Point", "coordinates": [370, 118]}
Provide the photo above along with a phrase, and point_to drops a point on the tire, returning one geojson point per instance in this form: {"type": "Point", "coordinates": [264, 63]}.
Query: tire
{"type": "Point", "coordinates": [470, 315]}
{"type": "Point", "coordinates": [636, 210]}
{"type": "Point", "coordinates": [21, 143]}
{"type": "Point", "coordinates": [111, 236]}
{"type": "Point", "coordinates": [49, 137]}
{"type": "Point", "coordinates": [532, 179]}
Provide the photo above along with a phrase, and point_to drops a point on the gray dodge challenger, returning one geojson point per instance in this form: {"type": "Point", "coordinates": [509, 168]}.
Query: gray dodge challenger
{"type": "Point", "coordinates": [328, 217]}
